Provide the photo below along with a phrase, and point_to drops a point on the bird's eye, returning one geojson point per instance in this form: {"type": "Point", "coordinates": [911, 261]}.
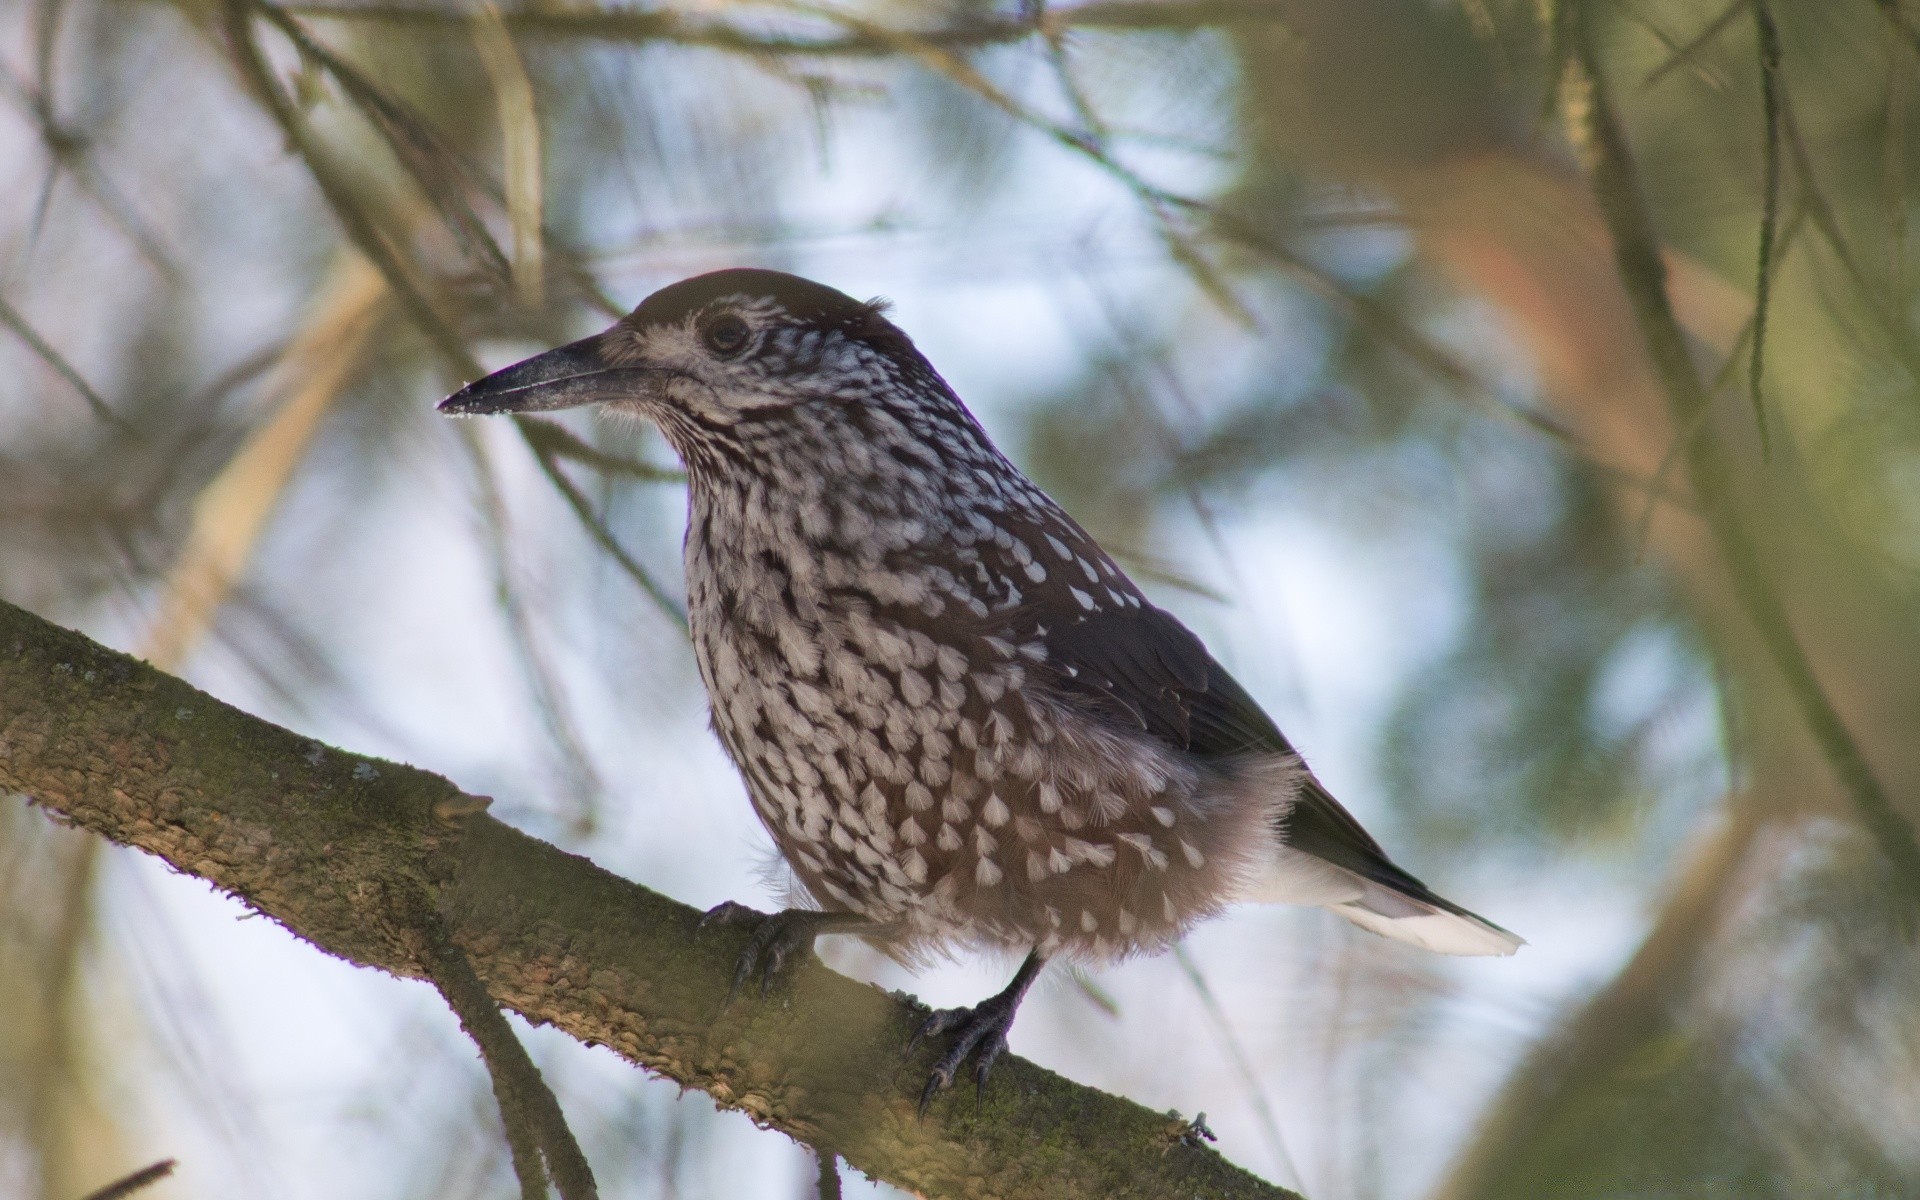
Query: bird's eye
{"type": "Point", "coordinates": [725, 334]}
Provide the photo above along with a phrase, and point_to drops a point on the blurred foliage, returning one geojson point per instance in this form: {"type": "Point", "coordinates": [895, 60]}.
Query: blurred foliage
{"type": "Point", "coordinates": [1333, 255]}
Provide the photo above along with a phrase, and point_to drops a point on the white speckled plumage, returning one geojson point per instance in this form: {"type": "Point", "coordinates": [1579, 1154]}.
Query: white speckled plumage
{"type": "Point", "coordinates": [956, 715]}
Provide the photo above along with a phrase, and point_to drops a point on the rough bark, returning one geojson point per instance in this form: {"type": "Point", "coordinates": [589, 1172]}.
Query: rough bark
{"type": "Point", "coordinates": [342, 850]}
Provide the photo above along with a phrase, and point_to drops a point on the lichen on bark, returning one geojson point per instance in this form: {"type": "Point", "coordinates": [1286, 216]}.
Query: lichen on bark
{"type": "Point", "coordinates": [341, 849]}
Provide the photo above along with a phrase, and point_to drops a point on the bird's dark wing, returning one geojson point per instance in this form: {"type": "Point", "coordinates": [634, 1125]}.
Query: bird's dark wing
{"type": "Point", "coordinates": [1141, 666]}
{"type": "Point", "coordinates": [1111, 654]}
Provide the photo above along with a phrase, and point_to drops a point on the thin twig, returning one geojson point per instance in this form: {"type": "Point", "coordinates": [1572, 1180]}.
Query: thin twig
{"type": "Point", "coordinates": [355, 221]}
{"type": "Point", "coordinates": [546, 435]}
{"type": "Point", "coordinates": [365, 234]}
{"type": "Point", "coordinates": [579, 780]}
{"type": "Point", "coordinates": [145, 1177]}
{"type": "Point", "coordinates": [442, 177]}
{"type": "Point", "coordinates": [1769, 38]}
{"type": "Point", "coordinates": [528, 1107]}
{"type": "Point", "coordinates": [1684, 54]}
{"type": "Point", "coordinates": [69, 148]}
{"type": "Point", "coordinates": [1643, 525]}
{"type": "Point", "coordinates": [1616, 187]}
{"type": "Point", "coordinates": [435, 166]}
{"type": "Point", "coordinates": [1242, 1065]}
{"type": "Point", "coordinates": [583, 509]}
{"type": "Point", "coordinates": [44, 351]}
{"type": "Point", "coordinates": [1893, 170]}
{"type": "Point", "coordinates": [638, 25]}
{"type": "Point", "coordinates": [1820, 210]}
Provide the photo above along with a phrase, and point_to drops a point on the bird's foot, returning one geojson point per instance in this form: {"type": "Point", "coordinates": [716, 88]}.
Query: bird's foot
{"type": "Point", "coordinates": [979, 1033]}
{"type": "Point", "coordinates": [778, 938]}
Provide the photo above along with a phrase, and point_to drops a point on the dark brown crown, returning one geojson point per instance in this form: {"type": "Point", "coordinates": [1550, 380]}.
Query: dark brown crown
{"type": "Point", "coordinates": [804, 301]}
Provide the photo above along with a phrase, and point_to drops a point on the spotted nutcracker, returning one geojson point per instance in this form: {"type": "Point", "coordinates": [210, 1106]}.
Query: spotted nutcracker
{"type": "Point", "coordinates": [962, 723]}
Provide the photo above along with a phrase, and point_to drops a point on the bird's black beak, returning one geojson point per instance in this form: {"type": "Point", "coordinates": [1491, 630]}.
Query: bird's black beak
{"type": "Point", "coordinates": [575, 374]}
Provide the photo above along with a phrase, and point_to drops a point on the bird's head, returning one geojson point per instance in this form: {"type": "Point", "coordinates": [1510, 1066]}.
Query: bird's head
{"type": "Point", "coordinates": [710, 353]}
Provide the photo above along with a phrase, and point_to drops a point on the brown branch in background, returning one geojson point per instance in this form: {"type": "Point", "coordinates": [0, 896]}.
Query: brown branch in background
{"type": "Point", "coordinates": [231, 512]}
{"type": "Point", "coordinates": [145, 1177]}
{"type": "Point", "coordinates": [520, 156]}
{"type": "Point", "coordinates": [1769, 38]}
{"type": "Point", "coordinates": [536, 1128]}
{"type": "Point", "coordinates": [340, 849]}
{"type": "Point", "coordinates": [1517, 1130]}
{"type": "Point", "coordinates": [1643, 275]}
{"type": "Point", "coordinates": [52, 1063]}
{"type": "Point", "coordinates": [640, 25]}
{"type": "Point", "coordinates": [1643, 524]}
{"type": "Point", "coordinates": [1901, 22]}
{"type": "Point", "coordinates": [365, 234]}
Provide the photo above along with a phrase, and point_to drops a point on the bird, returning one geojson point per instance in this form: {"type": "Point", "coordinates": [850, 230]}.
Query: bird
{"type": "Point", "coordinates": [963, 725]}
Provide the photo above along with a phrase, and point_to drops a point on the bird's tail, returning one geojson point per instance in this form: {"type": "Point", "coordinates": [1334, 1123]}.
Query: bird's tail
{"type": "Point", "coordinates": [1410, 914]}
{"type": "Point", "coordinates": [1328, 861]}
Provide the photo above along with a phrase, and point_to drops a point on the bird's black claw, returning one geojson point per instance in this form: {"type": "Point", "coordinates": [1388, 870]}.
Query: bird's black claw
{"type": "Point", "coordinates": [991, 1049]}
{"type": "Point", "coordinates": [776, 940]}
{"type": "Point", "coordinates": [980, 1034]}
{"type": "Point", "coordinates": [937, 1022]}
{"type": "Point", "coordinates": [727, 913]}
{"type": "Point", "coordinates": [936, 1082]}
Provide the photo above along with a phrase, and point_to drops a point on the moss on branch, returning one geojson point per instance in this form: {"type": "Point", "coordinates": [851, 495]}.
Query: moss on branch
{"type": "Point", "coordinates": [340, 849]}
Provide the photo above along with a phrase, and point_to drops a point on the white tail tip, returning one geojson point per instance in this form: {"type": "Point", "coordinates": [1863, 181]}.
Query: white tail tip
{"type": "Point", "coordinates": [1440, 932]}
{"type": "Point", "coordinates": [1297, 878]}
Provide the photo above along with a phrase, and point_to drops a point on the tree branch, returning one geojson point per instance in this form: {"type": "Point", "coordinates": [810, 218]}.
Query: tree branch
{"type": "Point", "coordinates": [341, 850]}
{"type": "Point", "coordinates": [643, 25]}
{"type": "Point", "coordinates": [534, 1124]}
{"type": "Point", "coordinates": [126, 1186]}
{"type": "Point", "coordinates": [1636, 248]}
